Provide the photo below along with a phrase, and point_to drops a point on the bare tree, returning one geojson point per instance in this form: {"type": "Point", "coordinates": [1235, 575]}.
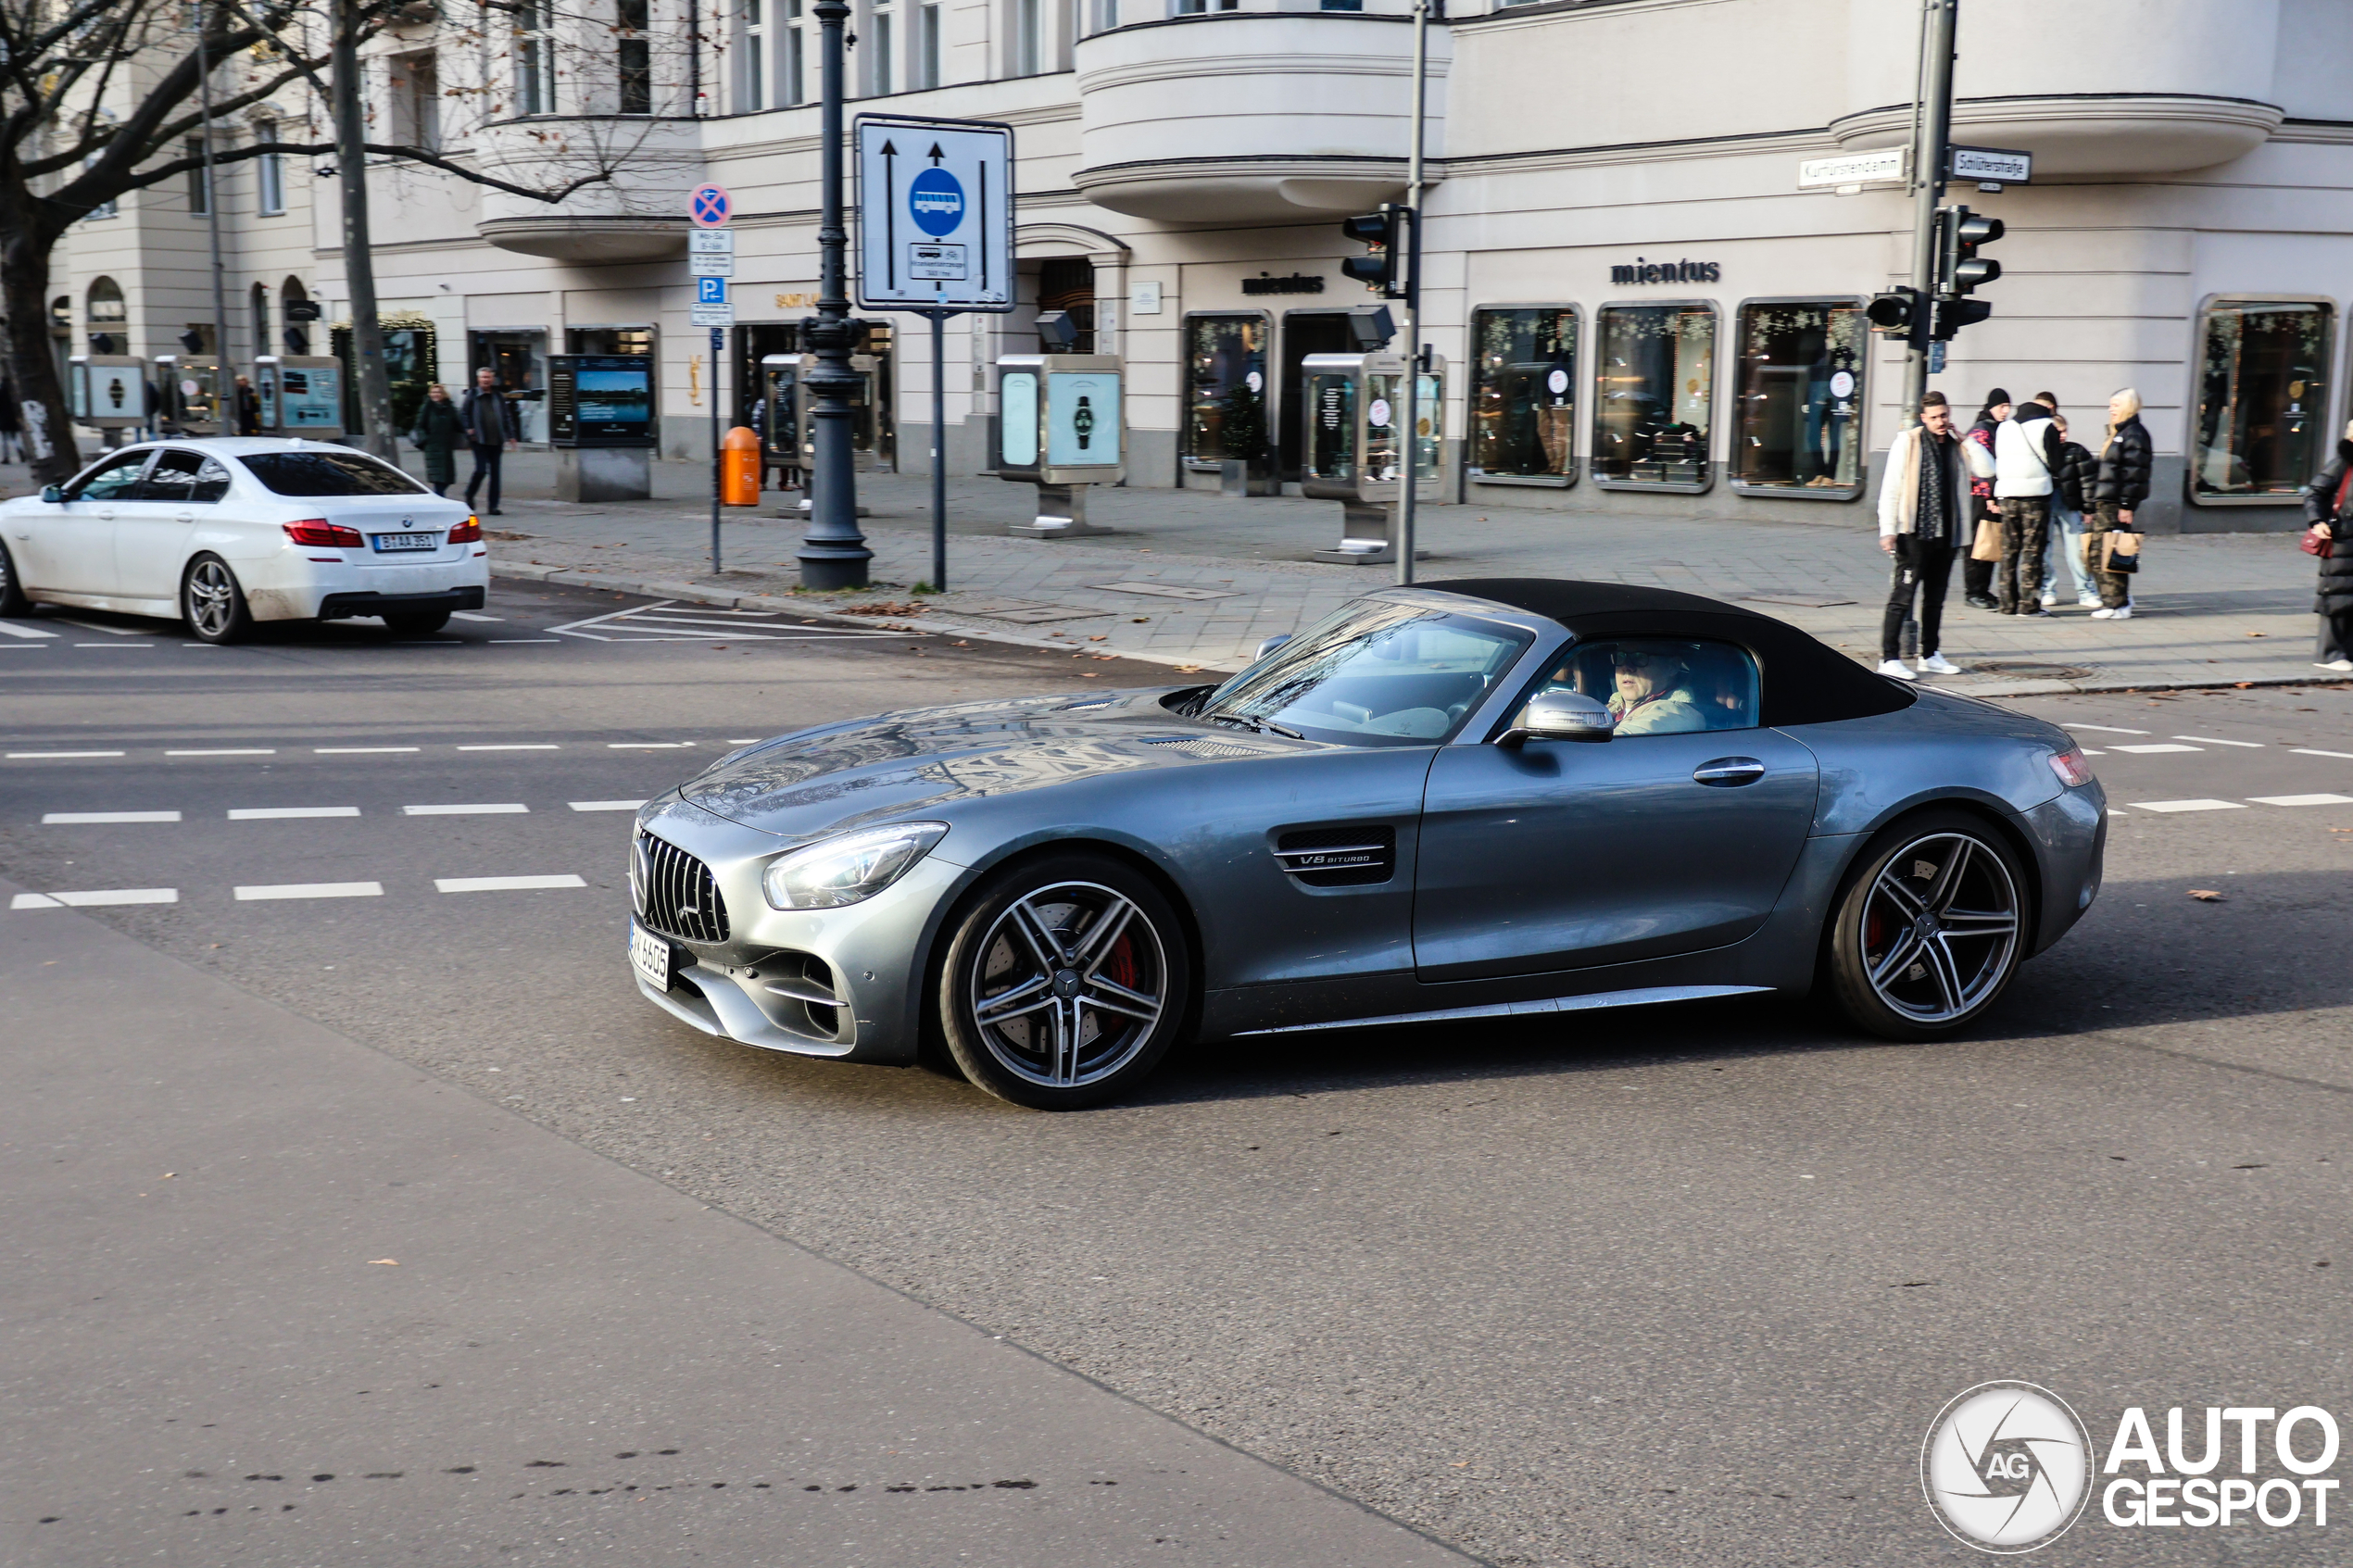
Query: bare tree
{"type": "Point", "coordinates": [97, 98]}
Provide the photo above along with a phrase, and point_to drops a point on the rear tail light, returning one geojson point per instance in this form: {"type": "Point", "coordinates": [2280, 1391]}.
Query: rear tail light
{"type": "Point", "coordinates": [2070, 766]}
{"type": "Point", "coordinates": [315, 531]}
{"type": "Point", "coordinates": [466, 533]}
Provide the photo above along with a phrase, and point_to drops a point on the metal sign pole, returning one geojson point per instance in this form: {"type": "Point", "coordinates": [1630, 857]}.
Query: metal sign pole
{"type": "Point", "coordinates": [1410, 436]}
{"type": "Point", "coordinates": [938, 448]}
{"type": "Point", "coordinates": [718, 459]}
{"type": "Point", "coordinates": [1934, 117]}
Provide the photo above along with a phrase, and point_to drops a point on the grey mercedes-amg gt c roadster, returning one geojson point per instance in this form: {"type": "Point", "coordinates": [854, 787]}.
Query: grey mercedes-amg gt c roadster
{"type": "Point", "coordinates": [1465, 800]}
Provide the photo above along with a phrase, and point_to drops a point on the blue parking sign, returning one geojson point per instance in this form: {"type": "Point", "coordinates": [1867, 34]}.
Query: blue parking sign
{"type": "Point", "coordinates": [711, 291]}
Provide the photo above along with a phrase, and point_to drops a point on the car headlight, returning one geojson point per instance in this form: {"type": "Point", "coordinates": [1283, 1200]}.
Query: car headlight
{"type": "Point", "coordinates": [844, 870]}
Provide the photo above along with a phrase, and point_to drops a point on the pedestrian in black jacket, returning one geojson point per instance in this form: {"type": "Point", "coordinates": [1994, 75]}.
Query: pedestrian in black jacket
{"type": "Point", "coordinates": [2330, 510]}
{"type": "Point", "coordinates": [439, 430]}
{"type": "Point", "coordinates": [490, 429]}
{"type": "Point", "coordinates": [1977, 576]}
{"type": "Point", "coordinates": [2074, 477]}
{"type": "Point", "coordinates": [2121, 486]}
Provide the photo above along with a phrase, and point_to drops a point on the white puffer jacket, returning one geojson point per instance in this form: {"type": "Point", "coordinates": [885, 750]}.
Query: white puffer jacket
{"type": "Point", "coordinates": [2025, 456]}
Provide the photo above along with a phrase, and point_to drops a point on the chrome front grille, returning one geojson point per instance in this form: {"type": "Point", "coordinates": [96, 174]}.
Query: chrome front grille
{"type": "Point", "coordinates": [676, 894]}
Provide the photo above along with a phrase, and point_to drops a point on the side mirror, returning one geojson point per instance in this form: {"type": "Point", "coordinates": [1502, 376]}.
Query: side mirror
{"type": "Point", "coordinates": [1269, 645]}
{"type": "Point", "coordinates": [53, 494]}
{"type": "Point", "coordinates": [1560, 716]}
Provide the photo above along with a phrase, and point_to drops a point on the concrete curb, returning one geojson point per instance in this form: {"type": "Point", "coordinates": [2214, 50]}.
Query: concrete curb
{"type": "Point", "coordinates": [945, 624]}
{"type": "Point", "coordinates": [932, 623]}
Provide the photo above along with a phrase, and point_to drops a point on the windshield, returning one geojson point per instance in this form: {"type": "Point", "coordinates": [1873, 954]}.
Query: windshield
{"type": "Point", "coordinates": [328, 473]}
{"type": "Point", "coordinates": [1373, 673]}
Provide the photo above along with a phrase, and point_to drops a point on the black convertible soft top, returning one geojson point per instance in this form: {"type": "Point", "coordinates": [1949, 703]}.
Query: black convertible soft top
{"type": "Point", "coordinates": [1805, 681]}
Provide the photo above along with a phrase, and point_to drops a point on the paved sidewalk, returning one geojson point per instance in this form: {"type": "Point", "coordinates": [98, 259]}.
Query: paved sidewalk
{"type": "Point", "coordinates": [2214, 609]}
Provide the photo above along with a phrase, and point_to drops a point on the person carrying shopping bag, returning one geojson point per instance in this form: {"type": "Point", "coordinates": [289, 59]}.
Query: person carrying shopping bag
{"type": "Point", "coordinates": [2328, 504]}
{"type": "Point", "coordinates": [2122, 486]}
{"type": "Point", "coordinates": [2025, 473]}
{"type": "Point", "coordinates": [2078, 472]}
{"type": "Point", "coordinates": [1977, 572]}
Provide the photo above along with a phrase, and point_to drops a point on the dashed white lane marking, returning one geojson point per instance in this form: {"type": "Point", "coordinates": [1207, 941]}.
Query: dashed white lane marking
{"type": "Point", "coordinates": [2150, 751]}
{"type": "Point", "coordinates": [497, 642]}
{"type": "Point", "coordinates": [503, 883]}
{"type": "Point", "coordinates": [113, 645]}
{"type": "Point", "coordinates": [281, 813]}
{"type": "Point", "coordinates": [312, 890]}
{"type": "Point", "coordinates": [748, 740]}
{"type": "Point", "coordinates": [2109, 729]}
{"type": "Point", "coordinates": [2302, 799]}
{"type": "Point", "coordinates": [2187, 805]}
{"type": "Point", "coordinates": [606, 804]}
{"type": "Point", "coordinates": [95, 899]}
{"type": "Point", "coordinates": [359, 750]}
{"type": "Point", "coordinates": [227, 751]}
{"type": "Point", "coordinates": [647, 745]}
{"type": "Point", "coordinates": [2210, 740]}
{"type": "Point", "coordinates": [2089, 751]}
{"type": "Point", "coordinates": [57, 818]}
{"type": "Point", "coordinates": [14, 756]}
{"type": "Point", "coordinates": [9, 628]}
{"type": "Point", "coordinates": [523, 745]}
{"type": "Point", "coordinates": [2307, 751]}
{"type": "Point", "coordinates": [473, 615]}
{"type": "Point", "coordinates": [510, 808]}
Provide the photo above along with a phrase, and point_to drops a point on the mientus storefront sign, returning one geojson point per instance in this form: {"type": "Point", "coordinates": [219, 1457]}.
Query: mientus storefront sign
{"type": "Point", "coordinates": [1644, 271]}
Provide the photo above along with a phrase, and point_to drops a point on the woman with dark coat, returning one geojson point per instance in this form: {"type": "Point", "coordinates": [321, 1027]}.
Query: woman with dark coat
{"type": "Point", "coordinates": [2123, 485]}
{"type": "Point", "coordinates": [2327, 508]}
{"type": "Point", "coordinates": [440, 431]}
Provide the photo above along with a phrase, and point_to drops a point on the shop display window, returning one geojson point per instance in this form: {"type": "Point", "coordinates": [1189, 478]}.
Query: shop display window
{"type": "Point", "coordinates": [1523, 394]}
{"type": "Point", "coordinates": [2262, 399]}
{"type": "Point", "coordinates": [1654, 395]}
{"type": "Point", "coordinates": [1226, 388]}
{"type": "Point", "coordinates": [1797, 403]}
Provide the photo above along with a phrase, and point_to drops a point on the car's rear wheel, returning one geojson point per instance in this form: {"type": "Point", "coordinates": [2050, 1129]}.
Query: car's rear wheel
{"type": "Point", "coordinates": [12, 599]}
{"type": "Point", "coordinates": [212, 603]}
{"type": "Point", "coordinates": [1931, 928]}
{"type": "Point", "coordinates": [1066, 982]}
{"type": "Point", "coordinates": [418, 624]}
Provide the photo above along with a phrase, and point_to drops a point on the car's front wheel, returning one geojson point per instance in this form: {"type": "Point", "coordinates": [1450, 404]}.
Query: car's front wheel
{"type": "Point", "coordinates": [212, 603]}
{"type": "Point", "coordinates": [1066, 982]}
{"type": "Point", "coordinates": [1930, 929]}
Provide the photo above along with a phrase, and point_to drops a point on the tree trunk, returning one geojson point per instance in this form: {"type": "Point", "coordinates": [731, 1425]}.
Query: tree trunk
{"type": "Point", "coordinates": [33, 364]}
{"type": "Point", "coordinates": [358, 265]}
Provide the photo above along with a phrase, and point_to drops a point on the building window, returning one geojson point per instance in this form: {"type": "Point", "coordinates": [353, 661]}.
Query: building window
{"type": "Point", "coordinates": [633, 56]}
{"type": "Point", "coordinates": [535, 60]}
{"type": "Point", "coordinates": [293, 305]}
{"type": "Point", "coordinates": [1199, 7]}
{"type": "Point", "coordinates": [790, 90]}
{"type": "Point", "coordinates": [200, 179]}
{"type": "Point", "coordinates": [1343, 5]}
{"type": "Point", "coordinates": [1523, 393]}
{"type": "Point", "coordinates": [886, 37]}
{"type": "Point", "coordinates": [416, 96]}
{"type": "Point", "coordinates": [270, 173]}
{"type": "Point", "coordinates": [108, 318]}
{"type": "Point", "coordinates": [1030, 25]}
{"type": "Point", "coordinates": [259, 296]}
{"type": "Point", "coordinates": [755, 55]}
{"type": "Point", "coordinates": [1225, 389]}
{"type": "Point", "coordinates": [1797, 403]}
{"type": "Point", "coordinates": [2262, 399]}
{"type": "Point", "coordinates": [927, 46]}
{"type": "Point", "coordinates": [1654, 395]}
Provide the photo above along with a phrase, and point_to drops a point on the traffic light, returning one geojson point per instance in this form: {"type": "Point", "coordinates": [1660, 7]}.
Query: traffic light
{"type": "Point", "coordinates": [1387, 234]}
{"type": "Point", "coordinates": [1952, 315]}
{"type": "Point", "coordinates": [1900, 314]}
{"type": "Point", "coordinates": [1959, 235]}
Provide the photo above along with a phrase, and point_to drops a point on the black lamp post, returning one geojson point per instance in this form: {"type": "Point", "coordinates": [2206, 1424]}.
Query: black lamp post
{"type": "Point", "coordinates": [833, 553]}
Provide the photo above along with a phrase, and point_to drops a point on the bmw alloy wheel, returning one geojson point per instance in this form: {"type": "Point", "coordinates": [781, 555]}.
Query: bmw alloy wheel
{"type": "Point", "coordinates": [1939, 928]}
{"type": "Point", "coordinates": [211, 601]}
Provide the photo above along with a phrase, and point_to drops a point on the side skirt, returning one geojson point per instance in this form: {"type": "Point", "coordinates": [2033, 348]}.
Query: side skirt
{"type": "Point", "coordinates": [1644, 996]}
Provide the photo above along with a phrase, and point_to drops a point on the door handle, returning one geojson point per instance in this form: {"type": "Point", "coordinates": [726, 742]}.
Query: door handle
{"type": "Point", "coordinates": [1729, 772]}
{"type": "Point", "coordinates": [106, 514]}
{"type": "Point", "coordinates": [187, 517]}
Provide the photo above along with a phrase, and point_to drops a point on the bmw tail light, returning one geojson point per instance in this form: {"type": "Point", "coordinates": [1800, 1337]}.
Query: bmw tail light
{"type": "Point", "coordinates": [2070, 766]}
{"type": "Point", "coordinates": [466, 533]}
{"type": "Point", "coordinates": [318, 531]}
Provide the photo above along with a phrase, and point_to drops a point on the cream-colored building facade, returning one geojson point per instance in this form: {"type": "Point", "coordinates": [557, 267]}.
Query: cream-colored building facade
{"type": "Point", "coordinates": [1638, 307]}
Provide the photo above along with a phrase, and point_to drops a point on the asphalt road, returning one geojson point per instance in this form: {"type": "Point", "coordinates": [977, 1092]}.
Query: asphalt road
{"type": "Point", "coordinates": [1683, 1285]}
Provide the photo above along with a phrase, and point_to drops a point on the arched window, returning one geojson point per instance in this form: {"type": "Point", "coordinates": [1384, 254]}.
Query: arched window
{"type": "Point", "coordinates": [262, 318]}
{"type": "Point", "coordinates": [106, 304]}
{"type": "Point", "coordinates": [295, 309]}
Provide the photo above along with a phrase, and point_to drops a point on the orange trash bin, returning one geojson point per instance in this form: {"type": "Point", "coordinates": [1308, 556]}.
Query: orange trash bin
{"type": "Point", "coordinates": [739, 468]}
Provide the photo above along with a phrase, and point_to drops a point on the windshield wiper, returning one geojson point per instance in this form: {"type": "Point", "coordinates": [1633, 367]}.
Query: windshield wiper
{"type": "Point", "coordinates": [1256, 726]}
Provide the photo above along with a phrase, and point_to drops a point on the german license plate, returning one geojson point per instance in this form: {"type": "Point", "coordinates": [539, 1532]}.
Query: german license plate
{"type": "Point", "coordinates": [389, 542]}
{"type": "Point", "coordinates": [652, 954]}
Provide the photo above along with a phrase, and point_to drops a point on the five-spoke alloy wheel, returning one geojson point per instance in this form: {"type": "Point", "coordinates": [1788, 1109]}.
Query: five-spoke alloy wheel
{"type": "Point", "coordinates": [1930, 929]}
{"type": "Point", "coordinates": [211, 602]}
{"type": "Point", "coordinates": [1067, 980]}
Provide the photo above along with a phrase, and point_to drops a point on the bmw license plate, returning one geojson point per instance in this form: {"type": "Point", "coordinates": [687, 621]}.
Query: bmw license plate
{"type": "Point", "coordinates": [653, 956]}
{"type": "Point", "coordinates": [389, 542]}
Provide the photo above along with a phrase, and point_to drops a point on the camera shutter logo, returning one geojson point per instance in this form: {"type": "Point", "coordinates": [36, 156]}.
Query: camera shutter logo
{"type": "Point", "coordinates": [2006, 1467]}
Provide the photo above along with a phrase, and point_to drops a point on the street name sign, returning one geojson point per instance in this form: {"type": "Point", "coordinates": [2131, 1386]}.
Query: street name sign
{"type": "Point", "coordinates": [710, 253]}
{"type": "Point", "coordinates": [1881, 167]}
{"type": "Point", "coordinates": [935, 214]}
{"type": "Point", "coordinates": [2001, 166]}
{"type": "Point", "coordinates": [712, 308]}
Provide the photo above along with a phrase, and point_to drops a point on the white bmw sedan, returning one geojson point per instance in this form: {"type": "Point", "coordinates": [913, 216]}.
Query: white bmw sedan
{"type": "Point", "coordinates": [224, 531]}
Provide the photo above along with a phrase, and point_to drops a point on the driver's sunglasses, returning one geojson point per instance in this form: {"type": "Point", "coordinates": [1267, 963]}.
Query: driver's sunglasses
{"type": "Point", "coordinates": [1634, 660]}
